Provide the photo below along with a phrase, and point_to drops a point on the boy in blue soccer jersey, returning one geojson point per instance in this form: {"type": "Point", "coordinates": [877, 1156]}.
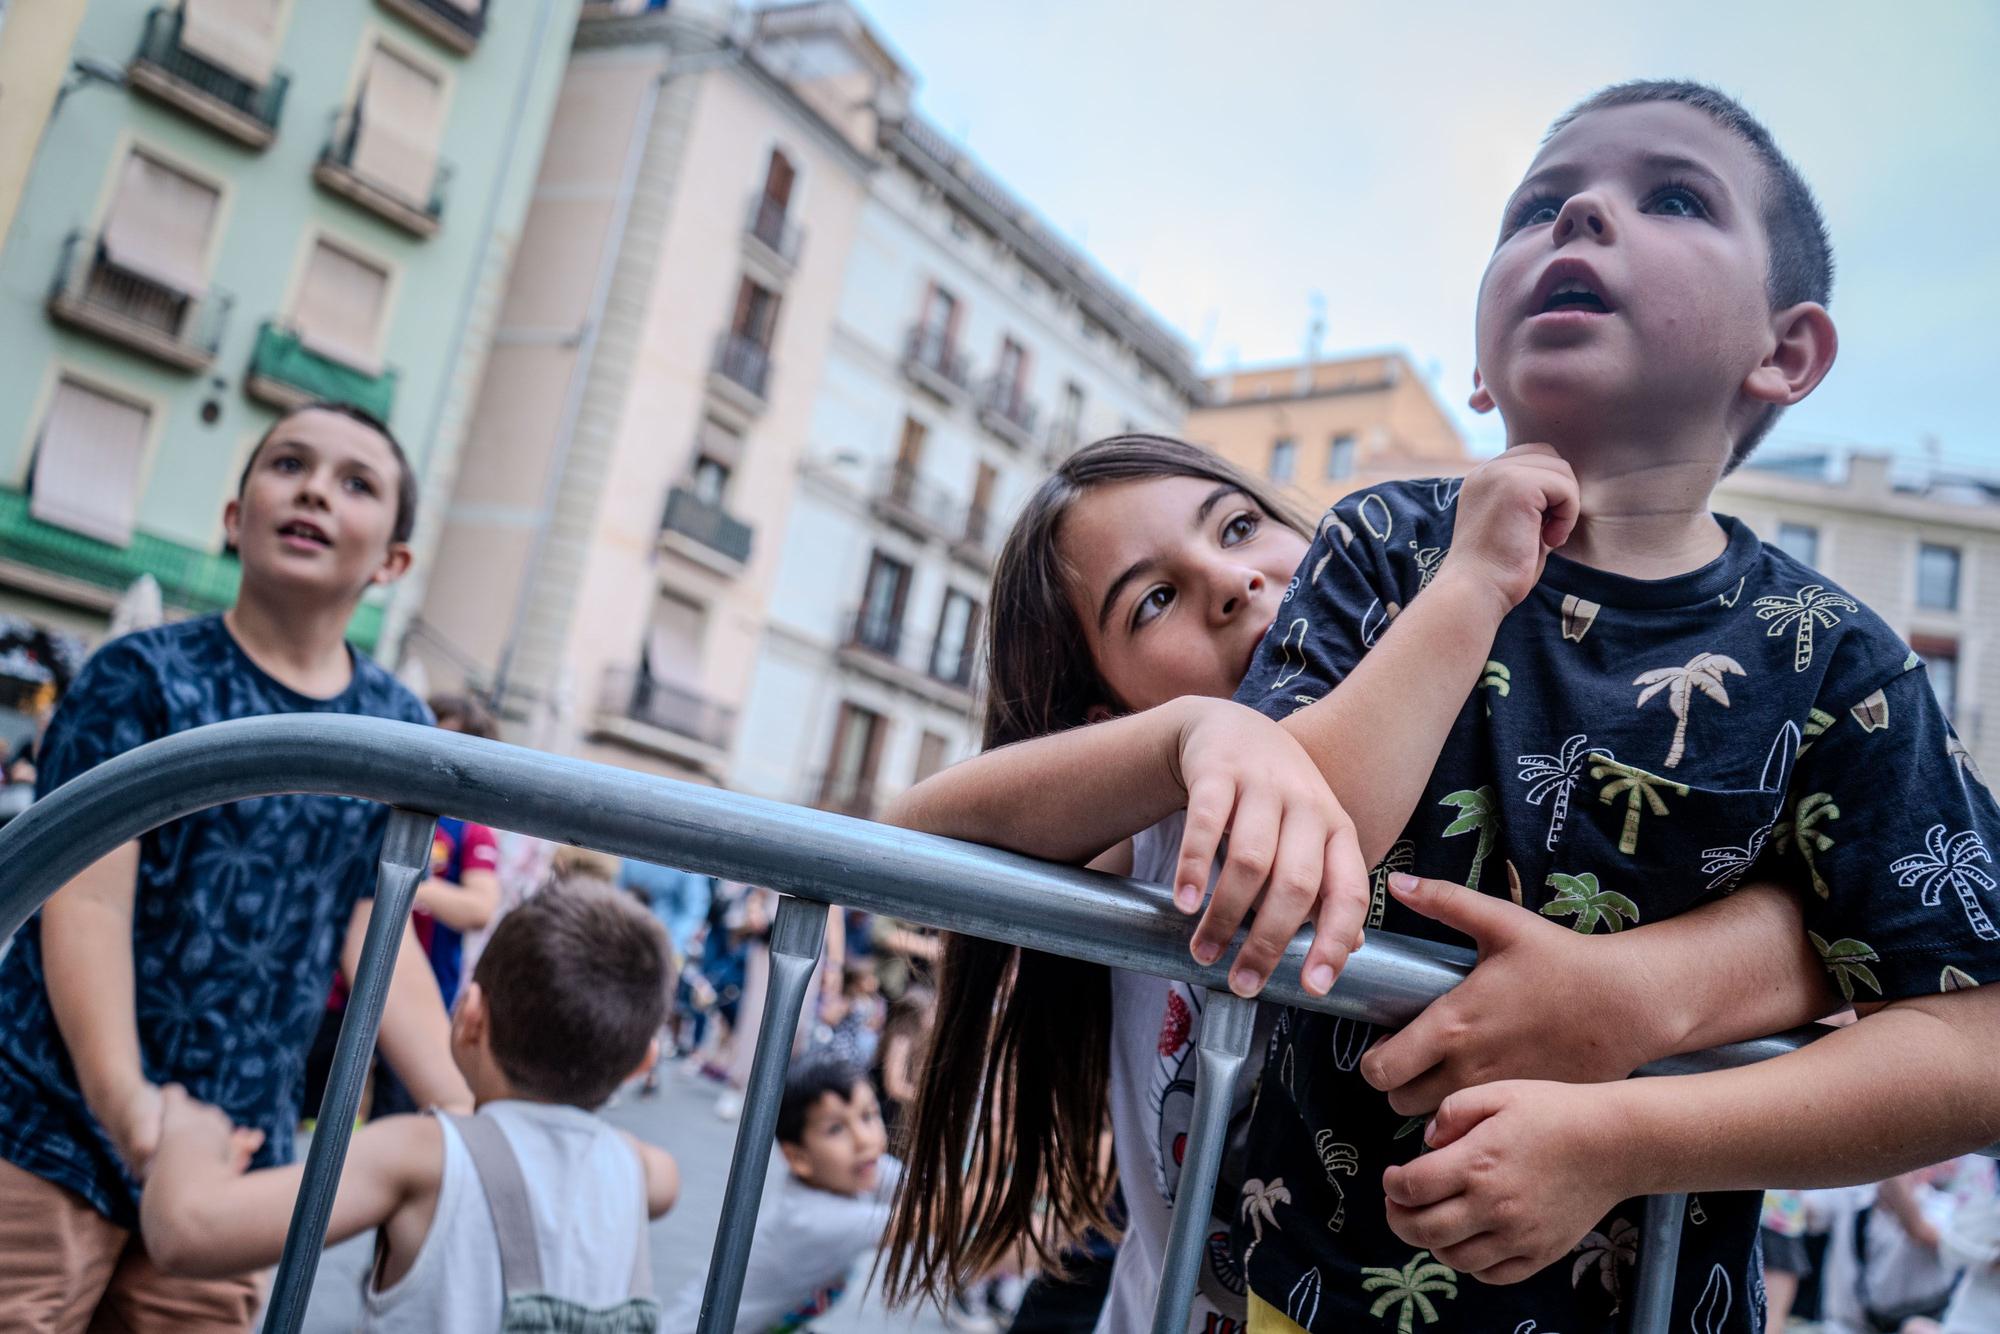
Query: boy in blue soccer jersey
{"type": "Point", "coordinates": [1672, 707]}
{"type": "Point", "coordinates": [201, 953]}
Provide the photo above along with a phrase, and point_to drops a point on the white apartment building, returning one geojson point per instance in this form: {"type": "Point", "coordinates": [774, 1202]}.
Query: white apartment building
{"type": "Point", "coordinates": [1921, 547]}
{"type": "Point", "coordinates": [970, 348]}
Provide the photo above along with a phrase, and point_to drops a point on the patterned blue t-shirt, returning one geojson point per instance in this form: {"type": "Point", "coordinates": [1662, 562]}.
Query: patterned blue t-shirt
{"type": "Point", "coordinates": [236, 923]}
{"type": "Point", "coordinates": [1634, 748]}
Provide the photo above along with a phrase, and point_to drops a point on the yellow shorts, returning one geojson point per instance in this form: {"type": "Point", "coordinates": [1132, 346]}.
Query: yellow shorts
{"type": "Point", "coordinates": [1268, 1319]}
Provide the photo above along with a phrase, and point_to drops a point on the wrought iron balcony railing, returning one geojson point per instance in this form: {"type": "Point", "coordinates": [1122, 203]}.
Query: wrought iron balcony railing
{"type": "Point", "coordinates": [92, 292]}
{"type": "Point", "coordinates": [166, 69]}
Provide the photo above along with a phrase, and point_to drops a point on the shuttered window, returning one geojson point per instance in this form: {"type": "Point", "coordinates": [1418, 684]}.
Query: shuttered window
{"type": "Point", "coordinates": [86, 467]}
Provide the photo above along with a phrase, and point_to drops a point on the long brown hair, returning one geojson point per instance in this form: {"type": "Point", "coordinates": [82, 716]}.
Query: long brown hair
{"type": "Point", "coordinates": [1001, 1143]}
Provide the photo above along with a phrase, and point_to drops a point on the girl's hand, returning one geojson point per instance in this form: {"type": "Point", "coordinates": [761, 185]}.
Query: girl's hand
{"type": "Point", "coordinates": [1519, 1172]}
{"type": "Point", "coordinates": [1292, 854]}
{"type": "Point", "coordinates": [1512, 512]}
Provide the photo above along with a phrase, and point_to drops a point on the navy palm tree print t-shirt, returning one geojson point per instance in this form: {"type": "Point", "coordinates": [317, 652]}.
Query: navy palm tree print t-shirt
{"type": "Point", "coordinates": [237, 918]}
{"type": "Point", "coordinates": [1634, 748]}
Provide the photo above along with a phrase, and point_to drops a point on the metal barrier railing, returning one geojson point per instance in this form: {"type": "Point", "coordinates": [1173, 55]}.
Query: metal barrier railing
{"type": "Point", "coordinates": [812, 857]}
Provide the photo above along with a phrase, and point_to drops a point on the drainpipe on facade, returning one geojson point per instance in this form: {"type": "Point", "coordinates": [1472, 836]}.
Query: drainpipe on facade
{"type": "Point", "coordinates": [402, 604]}
{"type": "Point", "coordinates": [593, 322]}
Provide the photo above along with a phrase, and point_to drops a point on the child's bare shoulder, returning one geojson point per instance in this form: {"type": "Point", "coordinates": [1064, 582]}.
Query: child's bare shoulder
{"type": "Point", "coordinates": [663, 1174]}
{"type": "Point", "coordinates": [408, 1149]}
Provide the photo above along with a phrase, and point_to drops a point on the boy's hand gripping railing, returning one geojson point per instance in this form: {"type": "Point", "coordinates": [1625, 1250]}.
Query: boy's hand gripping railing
{"type": "Point", "coordinates": [816, 857]}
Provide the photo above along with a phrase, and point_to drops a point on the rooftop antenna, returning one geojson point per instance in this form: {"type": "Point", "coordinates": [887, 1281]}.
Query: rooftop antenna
{"type": "Point", "coordinates": [1315, 331]}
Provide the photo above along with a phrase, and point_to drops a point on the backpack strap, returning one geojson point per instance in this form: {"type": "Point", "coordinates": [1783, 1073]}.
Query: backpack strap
{"type": "Point", "coordinates": [499, 1174]}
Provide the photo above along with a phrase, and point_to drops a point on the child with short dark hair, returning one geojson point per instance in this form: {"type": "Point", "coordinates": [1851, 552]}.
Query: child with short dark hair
{"type": "Point", "coordinates": [562, 1007]}
{"type": "Point", "coordinates": [1688, 706]}
{"type": "Point", "coordinates": [829, 1212]}
{"type": "Point", "coordinates": [201, 953]}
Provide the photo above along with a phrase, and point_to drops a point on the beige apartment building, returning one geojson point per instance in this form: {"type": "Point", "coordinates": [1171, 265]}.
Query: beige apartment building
{"type": "Point", "coordinates": [615, 528]}
{"type": "Point", "coordinates": [1324, 428]}
{"type": "Point", "coordinates": [1920, 546]}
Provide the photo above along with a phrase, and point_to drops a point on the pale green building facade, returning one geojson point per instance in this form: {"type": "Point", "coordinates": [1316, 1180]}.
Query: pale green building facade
{"type": "Point", "coordinates": [237, 205]}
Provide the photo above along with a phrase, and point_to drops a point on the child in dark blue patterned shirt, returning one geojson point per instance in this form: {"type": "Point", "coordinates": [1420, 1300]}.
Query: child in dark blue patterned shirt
{"type": "Point", "coordinates": [201, 953]}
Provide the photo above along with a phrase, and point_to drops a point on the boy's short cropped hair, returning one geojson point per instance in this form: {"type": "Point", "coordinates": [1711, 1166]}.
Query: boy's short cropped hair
{"type": "Point", "coordinates": [406, 476]}
{"type": "Point", "coordinates": [1794, 227]}
{"type": "Point", "coordinates": [575, 984]}
{"type": "Point", "coordinates": [809, 1081]}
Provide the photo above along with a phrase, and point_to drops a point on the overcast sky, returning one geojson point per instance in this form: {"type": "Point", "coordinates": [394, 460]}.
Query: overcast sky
{"type": "Point", "coordinates": [1228, 161]}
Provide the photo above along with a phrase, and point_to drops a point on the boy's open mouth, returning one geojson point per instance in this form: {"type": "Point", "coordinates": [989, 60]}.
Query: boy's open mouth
{"type": "Point", "coordinates": [305, 531]}
{"type": "Point", "coordinates": [1569, 286]}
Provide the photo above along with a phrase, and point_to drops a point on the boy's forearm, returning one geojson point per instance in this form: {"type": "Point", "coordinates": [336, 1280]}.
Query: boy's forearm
{"type": "Point", "coordinates": [1065, 797]}
{"type": "Point", "coordinates": [1915, 1083]}
{"type": "Point", "coordinates": [202, 1220]}
{"type": "Point", "coordinates": [87, 961]}
{"type": "Point", "coordinates": [1378, 734]}
{"type": "Point", "coordinates": [1734, 969]}
{"type": "Point", "coordinates": [462, 907]}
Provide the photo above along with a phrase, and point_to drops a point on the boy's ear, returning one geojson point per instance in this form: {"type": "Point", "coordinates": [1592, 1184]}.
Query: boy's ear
{"type": "Point", "coordinates": [232, 521]}
{"type": "Point", "coordinates": [648, 1061]}
{"type": "Point", "coordinates": [394, 566]}
{"type": "Point", "coordinates": [797, 1160]}
{"type": "Point", "coordinates": [1481, 401]}
{"type": "Point", "coordinates": [468, 1016]}
{"type": "Point", "coordinates": [1801, 354]}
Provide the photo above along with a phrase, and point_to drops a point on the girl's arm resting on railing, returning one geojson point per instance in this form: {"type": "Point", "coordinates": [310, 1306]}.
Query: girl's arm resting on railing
{"type": "Point", "coordinates": [87, 961]}
{"type": "Point", "coordinates": [1738, 968]}
{"type": "Point", "coordinates": [416, 1033]}
{"type": "Point", "coordinates": [202, 1215]}
{"type": "Point", "coordinates": [1500, 1196]}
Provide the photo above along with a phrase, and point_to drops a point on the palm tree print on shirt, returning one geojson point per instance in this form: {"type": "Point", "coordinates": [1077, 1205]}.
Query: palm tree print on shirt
{"type": "Point", "coordinates": [1639, 788]}
{"type": "Point", "coordinates": [1951, 860]}
{"type": "Point", "coordinates": [1410, 1289]}
{"type": "Point", "coordinates": [1812, 606]}
{"type": "Point", "coordinates": [1617, 1245]}
{"type": "Point", "coordinates": [1847, 960]}
{"type": "Point", "coordinates": [1498, 679]}
{"type": "Point", "coordinates": [1260, 1206]}
{"type": "Point", "coordinates": [1556, 775]}
{"type": "Point", "coordinates": [1956, 979]}
{"type": "Point", "coordinates": [1702, 675]}
{"type": "Point", "coordinates": [1803, 829]}
{"type": "Point", "coordinates": [1578, 895]}
{"type": "Point", "coordinates": [1479, 813]}
{"type": "Point", "coordinates": [1400, 857]}
{"type": "Point", "coordinates": [1728, 866]}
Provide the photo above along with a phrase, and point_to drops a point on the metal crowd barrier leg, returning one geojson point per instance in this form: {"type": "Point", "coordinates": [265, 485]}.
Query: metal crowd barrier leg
{"type": "Point", "coordinates": [1659, 1253]}
{"type": "Point", "coordinates": [796, 936]}
{"type": "Point", "coordinates": [1226, 1023]}
{"type": "Point", "coordinates": [406, 859]}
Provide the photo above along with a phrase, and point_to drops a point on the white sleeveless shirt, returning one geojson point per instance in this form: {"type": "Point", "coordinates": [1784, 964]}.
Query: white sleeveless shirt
{"type": "Point", "coordinates": [586, 1190]}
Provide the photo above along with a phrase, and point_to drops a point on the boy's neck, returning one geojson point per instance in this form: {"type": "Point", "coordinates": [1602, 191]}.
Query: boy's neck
{"type": "Point", "coordinates": [1644, 517]}
{"type": "Point", "coordinates": [299, 645]}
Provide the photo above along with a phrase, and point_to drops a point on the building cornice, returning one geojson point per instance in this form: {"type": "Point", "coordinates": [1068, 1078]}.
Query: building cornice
{"type": "Point", "coordinates": [1846, 498]}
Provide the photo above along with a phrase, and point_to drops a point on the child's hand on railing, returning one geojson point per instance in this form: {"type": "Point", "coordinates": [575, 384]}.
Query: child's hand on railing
{"type": "Point", "coordinates": [1292, 852]}
{"type": "Point", "coordinates": [1518, 1173]}
{"type": "Point", "coordinates": [1534, 976]}
{"type": "Point", "coordinates": [1512, 512]}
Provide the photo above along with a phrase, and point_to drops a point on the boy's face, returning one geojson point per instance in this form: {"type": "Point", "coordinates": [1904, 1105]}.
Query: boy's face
{"type": "Point", "coordinates": [842, 1144]}
{"type": "Point", "coordinates": [318, 509]}
{"type": "Point", "coordinates": [1629, 285]}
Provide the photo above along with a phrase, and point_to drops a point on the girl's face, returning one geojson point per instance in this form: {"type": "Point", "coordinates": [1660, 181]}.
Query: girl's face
{"type": "Point", "coordinates": [1175, 580]}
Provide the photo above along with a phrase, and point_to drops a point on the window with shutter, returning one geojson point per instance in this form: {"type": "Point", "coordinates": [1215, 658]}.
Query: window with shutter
{"type": "Point", "coordinates": [85, 474]}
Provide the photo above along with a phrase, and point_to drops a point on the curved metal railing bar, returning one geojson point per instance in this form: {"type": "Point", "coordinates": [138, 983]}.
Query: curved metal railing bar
{"type": "Point", "coordinates": [814, 857]}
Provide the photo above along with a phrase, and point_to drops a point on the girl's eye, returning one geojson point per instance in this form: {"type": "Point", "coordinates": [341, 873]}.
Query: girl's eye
{"type": "Point", "coordinates": [1240, 528]}
{"type": "Point", "coordinates": [1677, 201]}
{"type": "Point", "coordinates": [1151, 605]}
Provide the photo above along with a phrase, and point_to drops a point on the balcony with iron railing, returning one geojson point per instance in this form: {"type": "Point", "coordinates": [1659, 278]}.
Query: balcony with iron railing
{"type": "Point", "coordinates": [636, 695]}
{"type": "Point", "coordinates": [711, 526]}
{"type": "Point", "coordinates": [741, 372]}
{"type": "Point", "coordinates": [454, 25]}
{"type": "Point", "coordinates": [165, 69]}
{"type": "Point", "coordinates": [975, 544]}
{"type": "Point", "coordinates": [933, 365]}
{"type": "Point", "coordinates": [771, 236]}
{"type": "Point", "coordinates": [1007, 412]}
{"type": "Point", "coordinates": [285, 373]}
{"type": "Point", "coordinates": [337, 171]}
{"type": "Point", "coordinates": [1065, 434]}
{"type": "Point", "coordinates": [880, 646]}
{"type": "Point", "coordinates": [92, 293]}
{"type": "Point", "coordinates": [903, 496]}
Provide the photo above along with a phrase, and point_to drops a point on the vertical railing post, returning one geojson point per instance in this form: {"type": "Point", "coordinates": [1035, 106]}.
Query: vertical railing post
{"type": "Point", "coordinates": [1227, 1021]}
{"type": "Point", "coordinates": [1659, 1255]}
{"type": "Point", "coordinates": [796, 935]}
{"type": "Point", "coordinates": [406, 859]}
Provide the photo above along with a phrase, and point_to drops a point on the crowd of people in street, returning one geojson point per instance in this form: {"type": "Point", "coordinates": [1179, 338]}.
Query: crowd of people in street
{"type": "Point", "coordinates": [1184, 679]}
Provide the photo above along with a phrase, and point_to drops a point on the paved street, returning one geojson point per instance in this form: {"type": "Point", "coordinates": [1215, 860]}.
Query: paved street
{"type": "Point", "coordinates": [680, 1117]}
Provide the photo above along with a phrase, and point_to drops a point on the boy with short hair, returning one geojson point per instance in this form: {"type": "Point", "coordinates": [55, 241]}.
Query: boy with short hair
{"type": "Point", "coordinates": [1674, 704]}
{"type": "Point", "coordinates": [201, 953]}
{"type": "Point", "coordinates": [562, 1008]}
{"type": "Point", "coordinates": [829, 1212]}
